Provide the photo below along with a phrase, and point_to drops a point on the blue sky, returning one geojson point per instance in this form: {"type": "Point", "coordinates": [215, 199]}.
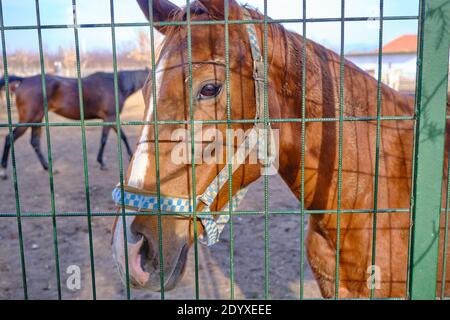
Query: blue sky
{"type": "Point", "coordinates": [358, 35]}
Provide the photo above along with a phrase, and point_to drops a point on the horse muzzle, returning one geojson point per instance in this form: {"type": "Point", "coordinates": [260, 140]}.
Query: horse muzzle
{"type": "Point", "coordinates": [145, 263]}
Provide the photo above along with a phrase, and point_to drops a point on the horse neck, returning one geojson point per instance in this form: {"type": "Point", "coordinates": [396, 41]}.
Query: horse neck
{"type": "Point", "coordinates": [285, 58]}
{"type": "Point", "coordinates": [322, 96]}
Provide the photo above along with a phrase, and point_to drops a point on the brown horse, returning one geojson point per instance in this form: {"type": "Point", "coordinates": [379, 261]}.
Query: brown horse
{"type": "Point", "coordinates": [63, 99]}
{"type": "Point", "coordinates": [284, 52]}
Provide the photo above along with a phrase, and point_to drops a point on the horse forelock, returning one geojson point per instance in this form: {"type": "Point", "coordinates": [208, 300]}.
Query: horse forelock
{"type": "Point", "coordinates": [197, 13]}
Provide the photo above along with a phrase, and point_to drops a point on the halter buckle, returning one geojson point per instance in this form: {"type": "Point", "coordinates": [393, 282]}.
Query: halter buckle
{"type": "Point", "coordinates": [258, 69]}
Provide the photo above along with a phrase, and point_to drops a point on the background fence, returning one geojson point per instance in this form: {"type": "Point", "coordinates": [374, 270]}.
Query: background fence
{"type": "Point", "coordinates": [426, 209]}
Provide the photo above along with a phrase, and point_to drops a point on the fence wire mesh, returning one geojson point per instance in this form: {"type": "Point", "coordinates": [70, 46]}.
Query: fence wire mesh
{"type": "Point", "coordinates": [425, 197]}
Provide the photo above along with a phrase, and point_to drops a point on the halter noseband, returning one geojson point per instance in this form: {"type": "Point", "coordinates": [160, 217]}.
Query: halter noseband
{"type": "Point", "coordinates": [141, 200]}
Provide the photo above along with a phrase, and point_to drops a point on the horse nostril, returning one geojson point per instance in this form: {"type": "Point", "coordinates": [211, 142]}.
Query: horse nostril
{"type": "Point", "coordinates": [144, 252]}
{"type": "Point", "coordinates": [133, 237]}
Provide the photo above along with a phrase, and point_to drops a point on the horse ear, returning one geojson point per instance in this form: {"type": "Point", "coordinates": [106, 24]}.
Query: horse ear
{"type": "Point", "coordinates": [218, 7]}
{"type": "Point", "coordinates": [163, 10]}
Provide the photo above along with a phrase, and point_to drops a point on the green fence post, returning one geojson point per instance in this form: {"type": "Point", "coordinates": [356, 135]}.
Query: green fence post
{"type": "Point", "coordinates": [432, 83]}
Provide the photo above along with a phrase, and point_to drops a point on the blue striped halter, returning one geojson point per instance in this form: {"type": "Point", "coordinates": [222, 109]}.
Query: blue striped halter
{"type": "Point", "coordinates": [140, 200]}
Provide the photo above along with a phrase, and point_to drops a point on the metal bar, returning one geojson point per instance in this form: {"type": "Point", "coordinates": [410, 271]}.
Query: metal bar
{"type": "Point", "coordinates": [302, 160]}
{"type": "Point", "coordinates": [340, 147]}
{"type": "Point", "coordinates": [13, 160]}
{"type": "Point", "coordinates": [157, 166]}
{"type": "Point", "coordinates": [229, 153]}
{"type": "Point", "coordinates": [413, 165]}
{"type": "Point", "coordinates": [191, 118]}
{"type": "Point", "coordinates": [119, 147]}
{"type": "Point", "coordinates": [432, 95]}
{"type": "Point", "coordinates": [205, 22]}
{"type": "Point", "coordinates": [377, 150]}
{"type": "Point", "coordinates": [208, 121]}
{"type": "Point", "coordinates": [200, 214]}
{"type": "Point", "coordinates": [84, 150]}
{"type": "Point", "coordinates": [266, 153]}
{"type": "Point", "coordinates": [49, 150]}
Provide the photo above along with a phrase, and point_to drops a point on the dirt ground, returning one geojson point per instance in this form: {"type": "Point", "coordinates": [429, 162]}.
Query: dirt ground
{"type": "Point", "coordinates": [72, 232]}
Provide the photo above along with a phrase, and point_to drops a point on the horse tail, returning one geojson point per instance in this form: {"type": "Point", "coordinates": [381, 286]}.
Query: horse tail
{"type": "Point", "coordinates": [11, 78]}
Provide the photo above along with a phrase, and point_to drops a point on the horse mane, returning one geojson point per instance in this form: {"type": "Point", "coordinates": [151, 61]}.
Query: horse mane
{"type": "Point", "coordinates": [195, 12]}
{"type": "Point", "coordinates": [276, 30]}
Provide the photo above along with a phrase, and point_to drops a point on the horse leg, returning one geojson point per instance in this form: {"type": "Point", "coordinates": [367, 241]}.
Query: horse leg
{"type": "Point", "coordinates": [36, 144]}
{"type": "Point", "coordinates": [17, 132]}
{"type": "Point", "coordinates": [125, 141]}
{"type": "Point", "coordinates": [104, 138]}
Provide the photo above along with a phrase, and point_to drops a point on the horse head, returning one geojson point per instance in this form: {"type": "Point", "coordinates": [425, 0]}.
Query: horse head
{"type": "Point", "coordinates": [188, 83]}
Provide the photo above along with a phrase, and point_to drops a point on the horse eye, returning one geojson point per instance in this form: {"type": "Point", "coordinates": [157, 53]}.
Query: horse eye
{"type": "Point", "coordinates": [209, 91]}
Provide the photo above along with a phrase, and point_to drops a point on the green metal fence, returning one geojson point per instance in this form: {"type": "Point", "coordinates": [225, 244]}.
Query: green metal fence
{"type": "Point", "coordinates": [426, 196]}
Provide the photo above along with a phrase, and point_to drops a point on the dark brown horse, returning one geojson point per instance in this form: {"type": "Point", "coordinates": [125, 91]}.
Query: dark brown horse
{"type": "Point", "coordinates": [284, 51]}
{"type": "Point", "coordinates": [63, 99]}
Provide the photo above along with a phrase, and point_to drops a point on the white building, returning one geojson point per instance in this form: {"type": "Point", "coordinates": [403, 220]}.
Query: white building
{"type": "Point", "coordinates": [398, 62]}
